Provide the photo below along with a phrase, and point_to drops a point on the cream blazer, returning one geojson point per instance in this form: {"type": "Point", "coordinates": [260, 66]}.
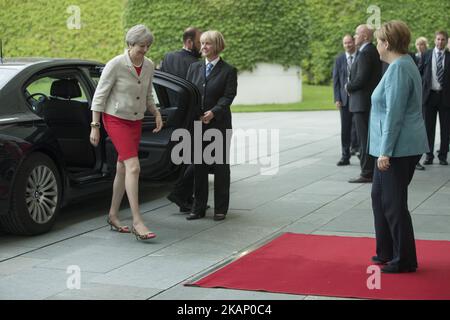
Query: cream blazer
{"type": "Point", "coordinates": [121, 92]}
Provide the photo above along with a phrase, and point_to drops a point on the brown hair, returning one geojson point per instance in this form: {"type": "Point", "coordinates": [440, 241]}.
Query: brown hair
{"type": "Point", "coordinates": [442, 33]}
{"type": "Point", "coordinates": [190, 33]}
{"type": "Point", "coordinates": [397, 34]}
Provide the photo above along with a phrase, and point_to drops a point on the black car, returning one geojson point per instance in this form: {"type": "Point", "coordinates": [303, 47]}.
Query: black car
{"type": "Point", "coordinates": [46, 159]}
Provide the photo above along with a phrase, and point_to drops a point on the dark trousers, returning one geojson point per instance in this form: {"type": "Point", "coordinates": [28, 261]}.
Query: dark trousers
{"type": "Point", "coordinates": [221, 171]}
{"type": "Point", "coordinates": [354, 137]}
{"type": "Point", "coordinates": [431, 109]}
{"type": "Point", "coordinates": [362, 130]}
{"type": "Point", "coordinates": [184, 187]}
{"type": "Point", "coordinates": [221, 188]}
{"type": "Point", "coordinates": [393, 225]}
{"type": "Point", "coordinates": [348, 133]}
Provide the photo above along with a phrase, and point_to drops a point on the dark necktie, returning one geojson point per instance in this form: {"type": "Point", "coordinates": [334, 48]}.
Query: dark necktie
{"type": "Point", "coordinates": [440, 68]}
{"type": "Point", "coordinates": [209, 67]}
{"type": "Point", "coordinates": [349, 65]}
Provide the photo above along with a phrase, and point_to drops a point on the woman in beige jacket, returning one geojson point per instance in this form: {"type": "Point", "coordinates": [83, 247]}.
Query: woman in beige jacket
{"type": "Point", "coordinates": [123, 94]}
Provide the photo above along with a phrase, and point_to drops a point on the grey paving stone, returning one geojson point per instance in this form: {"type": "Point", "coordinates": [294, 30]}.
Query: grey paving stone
{"type": "Point", "coordinates": [329, 188]}
{"type": "Point", "coordinates": [9, 249]}
{"type": "Point", "coordinates": [353, 221]}
{"type": "Point", "coordinates": [95, 258]}
{"type": "Point", "coordinates": [433, 212]}
{"type": "Point", "coordinates": [18, 265]}
{"type": "Point", "coordinates": [438, 200]}
{"type": "Point", "coordinates": [36, 284]}
{"type": "Point", "coordinates": [96, 291]}
{"type": "Point", "coordinates": [311, 198]}
{"type": "Point", "coordinates": [157, 271]}
{"type": "Point", "coordinates": [431, 223]}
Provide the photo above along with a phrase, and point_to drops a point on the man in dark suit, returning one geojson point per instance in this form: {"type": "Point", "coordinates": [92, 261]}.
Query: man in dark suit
{"type": "Point", "coordinates": [341, 72]}
{"type": "Point", "coordinates": [217, 83]}
{"type": "Point", "coordinates": [435, 71]}
{"type": "Point", "coordinates": [364, 77]}
{"type": "Point", "coordinates": [178, 63]}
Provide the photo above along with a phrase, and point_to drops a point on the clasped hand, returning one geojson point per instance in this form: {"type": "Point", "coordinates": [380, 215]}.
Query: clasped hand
{"type": "Point", "coordinates": [207, 117]}
{"type": "Point", "coordinates": [383, 163]}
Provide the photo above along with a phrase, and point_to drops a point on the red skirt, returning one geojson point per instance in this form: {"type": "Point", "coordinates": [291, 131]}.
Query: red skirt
{"type": "Point", "coordinates": [125, 135]}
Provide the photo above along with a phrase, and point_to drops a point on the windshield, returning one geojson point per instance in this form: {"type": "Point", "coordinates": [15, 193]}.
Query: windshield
{"type": "Point", "coordinates": [6, 74]}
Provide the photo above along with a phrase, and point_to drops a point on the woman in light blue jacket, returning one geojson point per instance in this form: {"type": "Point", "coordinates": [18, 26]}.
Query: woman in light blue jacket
{"type": "Point", "coordinates": [397, 139]}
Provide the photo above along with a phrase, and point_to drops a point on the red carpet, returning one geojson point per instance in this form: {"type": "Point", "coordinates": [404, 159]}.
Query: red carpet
{"type": "Point", "coordinates": [333, 266]}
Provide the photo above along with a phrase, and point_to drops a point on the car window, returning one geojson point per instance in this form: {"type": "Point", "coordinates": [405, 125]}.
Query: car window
{"type": "Point", "coordinates": [44, 85]}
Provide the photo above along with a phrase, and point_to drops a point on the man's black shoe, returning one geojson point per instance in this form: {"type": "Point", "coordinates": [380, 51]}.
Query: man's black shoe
{"type": "Point", "coordinates": [377, 260]}
{"type": "Point", "coordinates": [420, 167]}
{"type": "Point", "coordinates": [184, 205]}
{"type": "Point", "coordinates": [195, 216]}
{"type": "Point", "coordinates": [427, 162]}
{"type": "Point", "coordinates": [443, 162]}
{"type": "Point", "coordinates": [360, 179]}
{"type": "Point", "coordinates": [219, 217]}
{"type": "Point", "coordinates": [343, 162]}
{"type": "Point", "coordinates": [185, 209]}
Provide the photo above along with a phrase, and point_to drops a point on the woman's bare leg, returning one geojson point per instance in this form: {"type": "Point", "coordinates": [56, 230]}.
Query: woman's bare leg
{"type": "Point", "coordinates": [118, 192]}
{"type": "Point", "coordinates": [132, 170]}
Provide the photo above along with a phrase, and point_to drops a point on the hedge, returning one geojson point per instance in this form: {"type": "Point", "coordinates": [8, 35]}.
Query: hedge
{"type": "Point", "coordinates": [39, 28]}
{"type": "Point", "coordinates": [306, 33]}
{"type": "Point", "coordinates": [255, 31]}
{"type": "Point", "coordinates": [334, 18]}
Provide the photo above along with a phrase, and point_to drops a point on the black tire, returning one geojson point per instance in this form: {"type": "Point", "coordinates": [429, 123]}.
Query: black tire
{"type": "Point", "coordinates": [36, 197]}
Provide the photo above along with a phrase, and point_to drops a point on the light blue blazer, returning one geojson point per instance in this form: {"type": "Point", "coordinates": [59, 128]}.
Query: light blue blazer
{"type": "Point", "coordinates": [397, 128]}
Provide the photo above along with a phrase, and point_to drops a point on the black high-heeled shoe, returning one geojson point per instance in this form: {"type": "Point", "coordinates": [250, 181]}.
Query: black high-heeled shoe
{"type": "Point", "coordinates": [120, 229]}
{"type": "Point", "coordinates": [147, 236]}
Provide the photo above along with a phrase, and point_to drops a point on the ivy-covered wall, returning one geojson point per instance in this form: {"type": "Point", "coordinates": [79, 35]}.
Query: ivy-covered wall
{"type": "Point", "coordinates": [255, 31]}
{"type": "Point", "coordinates": [289, 32]}
{"type": "Point", "coordinates": [42, 28]}
{"type": "Point", "coordinates": [334, 18]}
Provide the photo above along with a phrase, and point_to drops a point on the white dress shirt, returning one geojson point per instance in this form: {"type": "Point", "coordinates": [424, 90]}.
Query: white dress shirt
{"type": "Point", "coordinates": [435, 85]}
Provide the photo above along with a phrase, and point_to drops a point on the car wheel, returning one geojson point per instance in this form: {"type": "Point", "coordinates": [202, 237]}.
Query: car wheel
{"type": "Point", "coordinates": [36, 197]}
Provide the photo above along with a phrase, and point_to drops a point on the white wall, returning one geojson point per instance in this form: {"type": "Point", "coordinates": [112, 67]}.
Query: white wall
{"type": "Point", "coordinates": [269, 83]}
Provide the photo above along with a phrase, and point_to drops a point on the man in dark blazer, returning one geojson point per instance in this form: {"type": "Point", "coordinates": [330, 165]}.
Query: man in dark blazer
{"type": "Point", "coordinates": [178, 63]}
{"type": "Point", "coordinates": [435, 71]}
{"type": "Point", "coordinates": [217, 83]}
{"type": "Point", "coordinates": [340, 77]}
{"type": "Point", "coordinates": [364, 77]}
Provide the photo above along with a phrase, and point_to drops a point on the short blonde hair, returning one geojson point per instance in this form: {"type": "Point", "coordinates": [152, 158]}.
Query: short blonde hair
{"type": "Point", "coordinates": [423, 40]}
{"type": "Point", "coordinates": [139, 34]}
{"type": "Point", "coordinates": [397, 34]}
{"type": "Point", "coordinates": [216, 39]}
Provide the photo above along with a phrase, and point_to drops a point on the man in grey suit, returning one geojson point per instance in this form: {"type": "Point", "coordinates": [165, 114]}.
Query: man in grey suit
{"type": "Point", "coordinates": [341, 73]}
{"type": "Point", "coordinates": [364, 77]}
